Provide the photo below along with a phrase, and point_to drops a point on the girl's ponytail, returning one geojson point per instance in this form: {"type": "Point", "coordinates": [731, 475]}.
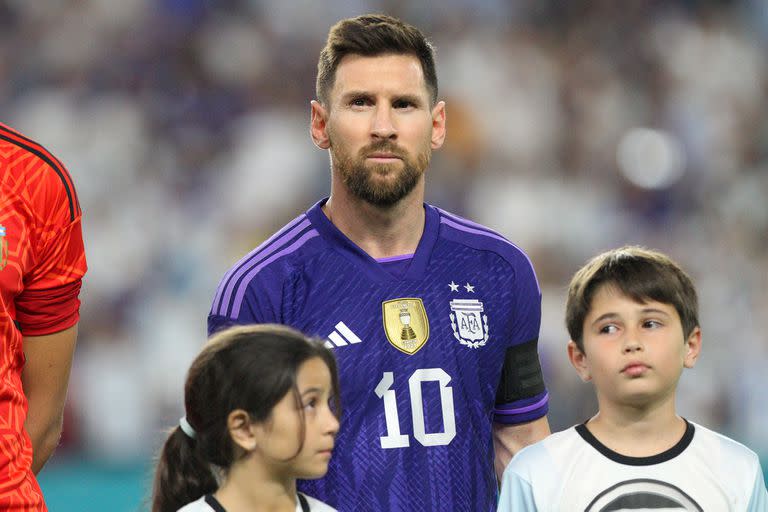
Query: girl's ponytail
{"type": "Point", "coordinates": [182, 476]}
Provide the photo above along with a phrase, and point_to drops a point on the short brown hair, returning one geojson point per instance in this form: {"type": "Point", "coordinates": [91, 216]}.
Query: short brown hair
{"type": "Point", "coordinates": [372, 35]}
{"type": "Point", "coordinates": [639, 273]}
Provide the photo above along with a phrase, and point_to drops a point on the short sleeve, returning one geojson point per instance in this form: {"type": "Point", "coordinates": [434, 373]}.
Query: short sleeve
{"type": "Point", "coordinates": [516, 494]}
{"type": "Point", "coordinates": [527, 314]}
{"type": "Point", "coordinates": [759, 500]}
{"type": "Point", "coordinates": [50, 301]}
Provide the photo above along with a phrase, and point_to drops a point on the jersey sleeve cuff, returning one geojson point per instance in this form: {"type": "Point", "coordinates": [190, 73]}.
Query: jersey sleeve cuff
{"type": "Point", "coordinates": [522, 411]}
{"type": "Point", "coordinates": [48, 311]}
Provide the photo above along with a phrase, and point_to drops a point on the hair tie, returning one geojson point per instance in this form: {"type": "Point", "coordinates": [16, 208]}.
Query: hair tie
{"type": "Point", "coordinates": [186, 427]}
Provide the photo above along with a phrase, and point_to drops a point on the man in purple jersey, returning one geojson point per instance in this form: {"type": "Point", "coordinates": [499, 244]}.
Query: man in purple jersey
{"type": "Point", "coordinates": [434, 319]}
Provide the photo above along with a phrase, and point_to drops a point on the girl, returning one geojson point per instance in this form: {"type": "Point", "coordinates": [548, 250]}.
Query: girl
{"type": "Point", "coordinates": [260, 409]}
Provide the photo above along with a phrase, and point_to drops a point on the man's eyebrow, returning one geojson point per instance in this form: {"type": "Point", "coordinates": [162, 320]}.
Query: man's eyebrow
{"type": "Point", "coordinates": [361, 94]}
{"type": "Point", "coordinates": [411, 98]}
{"type": "Point", "coordinates": [356, 94]}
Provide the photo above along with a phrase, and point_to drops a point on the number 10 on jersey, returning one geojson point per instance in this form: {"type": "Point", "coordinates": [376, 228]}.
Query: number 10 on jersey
{"type": "Point", "coordinates": [393, 437]}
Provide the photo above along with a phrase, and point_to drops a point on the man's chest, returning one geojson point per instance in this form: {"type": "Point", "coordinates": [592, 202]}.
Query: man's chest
{"type": "Point", "coordinates": [462, 309]}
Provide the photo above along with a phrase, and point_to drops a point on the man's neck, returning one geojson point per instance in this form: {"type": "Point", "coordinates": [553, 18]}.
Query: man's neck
{"type": "Point", "coordinates": [638, 431]}
{"type": "Point", "coordinates": [382, 232]}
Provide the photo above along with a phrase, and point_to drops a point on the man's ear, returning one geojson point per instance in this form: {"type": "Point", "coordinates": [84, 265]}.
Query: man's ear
{"type": "Point", "coordinates": [438, 125]}
{"type": "Point", "coordinates": [318, 127]}
{"type": "Point", "coordinates": [242, 430]}
{"type": "Point", "coordinates": [692, 348]}
{"type": "Point", "coordinates": [578, 360]}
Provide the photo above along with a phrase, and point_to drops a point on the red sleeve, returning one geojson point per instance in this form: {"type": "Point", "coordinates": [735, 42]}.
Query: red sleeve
{"type": "Point", "coordinates": [41, 312]}
{"type": "Point", "coordinates": [49, 302]}
{"type": "Point", "coordinates": [60, 257]}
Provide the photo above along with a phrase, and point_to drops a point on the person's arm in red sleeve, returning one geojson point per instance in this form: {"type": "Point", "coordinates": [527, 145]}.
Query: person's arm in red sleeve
{"type": "Point", "coordinates": [45, 379]}
{"type": "Point", "coordinates": [49, 321]}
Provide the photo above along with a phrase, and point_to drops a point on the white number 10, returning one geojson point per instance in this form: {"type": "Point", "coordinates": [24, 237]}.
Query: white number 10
{"type": "Point", "coordinates": [394, 439]}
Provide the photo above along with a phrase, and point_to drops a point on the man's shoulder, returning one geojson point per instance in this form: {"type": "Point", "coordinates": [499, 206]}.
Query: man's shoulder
{"type": "Point", "coordinates": [263, 272]}
{"type": "Point", "coordinates": [476, 236]}
{"type": "Point", "coordinates": [50, 191]}
{"type": "Point", "coordinates": [293, 242]}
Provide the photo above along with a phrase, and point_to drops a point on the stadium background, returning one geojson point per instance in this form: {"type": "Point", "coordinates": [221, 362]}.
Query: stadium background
{"type": "Point", "coordinates": [573, 127]}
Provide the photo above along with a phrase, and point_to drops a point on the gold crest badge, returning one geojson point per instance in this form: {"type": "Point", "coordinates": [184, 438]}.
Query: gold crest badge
{"type": "Point", "coordinates": [406, 324]}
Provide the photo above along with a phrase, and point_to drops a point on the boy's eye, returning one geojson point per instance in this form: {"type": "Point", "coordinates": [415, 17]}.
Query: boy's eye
{"type": "Point", "coordinates": [359, 102]}
{"type": "Point", "coordinates": [402, 104]}
{"type": "Point", "coordinates": [608, 329]}
{"type": "Point", "coordinates": [652, 324]}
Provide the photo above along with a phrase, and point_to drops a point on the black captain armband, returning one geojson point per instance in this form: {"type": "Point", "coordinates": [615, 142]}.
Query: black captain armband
{"type": "Point", "coordinates": [521, 375]}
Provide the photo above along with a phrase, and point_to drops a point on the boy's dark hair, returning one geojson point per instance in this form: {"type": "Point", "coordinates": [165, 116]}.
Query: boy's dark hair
{"type": "Point", "coordinates": [372, 35]}
{"type": "Point", "coordinates": [245, 367]}
{"type": "Point", "coordinates": [639, 273]}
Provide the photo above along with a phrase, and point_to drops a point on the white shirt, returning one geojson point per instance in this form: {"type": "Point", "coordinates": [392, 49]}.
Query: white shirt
{"type": "Point", "coordinates": [208, 503]}
{"type": "Point", "coordinates": [573, 471]}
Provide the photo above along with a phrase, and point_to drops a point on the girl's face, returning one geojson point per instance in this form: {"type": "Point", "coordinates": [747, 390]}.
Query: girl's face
{"type": "Point", "coordinates": [279, 437]}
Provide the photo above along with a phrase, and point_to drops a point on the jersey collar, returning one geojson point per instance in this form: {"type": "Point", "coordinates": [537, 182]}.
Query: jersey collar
{"type": "Point", "coordinates": [339, 241]}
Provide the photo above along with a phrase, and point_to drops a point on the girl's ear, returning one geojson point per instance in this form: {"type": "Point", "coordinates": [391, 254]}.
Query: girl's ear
{"type": "Point", "coordinates": [242, 430]}
{"type": "Point", "coordinates": [578, 360]}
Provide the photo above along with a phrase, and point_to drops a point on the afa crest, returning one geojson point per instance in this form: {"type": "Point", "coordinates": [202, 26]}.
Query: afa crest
{"type": "Point", "coordinates": [469, 324]}
{"type": "Point", "coordinates": [405, 324]}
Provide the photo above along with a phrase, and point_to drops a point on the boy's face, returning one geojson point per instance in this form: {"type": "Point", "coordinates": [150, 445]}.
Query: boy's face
{"type": "Point", "coordinates": [633, 352]}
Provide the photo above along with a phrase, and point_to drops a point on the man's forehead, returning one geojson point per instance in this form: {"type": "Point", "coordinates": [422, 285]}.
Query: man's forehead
{"type": "Point", "coordinates": [397, 73]}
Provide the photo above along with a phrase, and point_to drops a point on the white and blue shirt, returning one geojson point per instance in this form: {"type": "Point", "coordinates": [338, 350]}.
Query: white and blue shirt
{"type": "Point", "coordinates": [573, 471]}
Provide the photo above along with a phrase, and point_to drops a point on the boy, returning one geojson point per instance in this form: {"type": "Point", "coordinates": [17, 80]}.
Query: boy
{"type": "Point", "coordinates": [633, 321]}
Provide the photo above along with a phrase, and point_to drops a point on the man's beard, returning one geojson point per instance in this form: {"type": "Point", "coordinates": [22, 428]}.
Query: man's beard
{"type": "Point", "coordinates": [359, 177]}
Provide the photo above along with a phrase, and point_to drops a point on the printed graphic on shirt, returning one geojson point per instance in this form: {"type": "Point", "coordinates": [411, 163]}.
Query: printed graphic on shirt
{"type": "Point", "coordinates": [469, 323]}
{"type": "Point", "coordinates": [342, 336]}
{"type": "Point", "coordinates": [643, 494]}
{"type": "Point", "coordinates": [406, 324]}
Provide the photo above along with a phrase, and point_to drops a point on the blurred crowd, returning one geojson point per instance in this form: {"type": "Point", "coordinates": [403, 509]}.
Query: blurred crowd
{"type": "Point", "coordinates": [573, 127]}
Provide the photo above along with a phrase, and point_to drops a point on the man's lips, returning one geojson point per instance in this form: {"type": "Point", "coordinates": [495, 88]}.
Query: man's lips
{"type": "Point", "coordinates": [384, 156]}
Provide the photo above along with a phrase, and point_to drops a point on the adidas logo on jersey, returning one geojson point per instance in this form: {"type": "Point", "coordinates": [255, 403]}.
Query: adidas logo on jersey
{"type": "Point", "coordinates": [341, 336]}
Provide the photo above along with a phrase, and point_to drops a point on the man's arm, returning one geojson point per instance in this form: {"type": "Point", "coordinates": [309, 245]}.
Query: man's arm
{"type": "Point", "coordinates": [510, 439]}
{"type": "Point", "coordinates": [45, 379]}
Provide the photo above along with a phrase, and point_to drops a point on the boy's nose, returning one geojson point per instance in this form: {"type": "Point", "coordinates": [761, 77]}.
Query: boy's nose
{"type": "Point", "coordinates": [632, 343]}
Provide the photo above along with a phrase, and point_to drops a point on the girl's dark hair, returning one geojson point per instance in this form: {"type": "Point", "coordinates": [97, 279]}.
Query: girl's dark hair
{"type": "Point", "coordinates": [245, 367]}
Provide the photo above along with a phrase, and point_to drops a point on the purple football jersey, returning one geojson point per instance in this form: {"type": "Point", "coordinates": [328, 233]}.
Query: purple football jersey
{"type": "Point", "coordinates": [420, 343]}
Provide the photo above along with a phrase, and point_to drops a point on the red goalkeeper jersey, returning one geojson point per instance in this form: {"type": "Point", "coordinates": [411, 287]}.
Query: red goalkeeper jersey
{"type": "Point", "coordinates": [42, 263]}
